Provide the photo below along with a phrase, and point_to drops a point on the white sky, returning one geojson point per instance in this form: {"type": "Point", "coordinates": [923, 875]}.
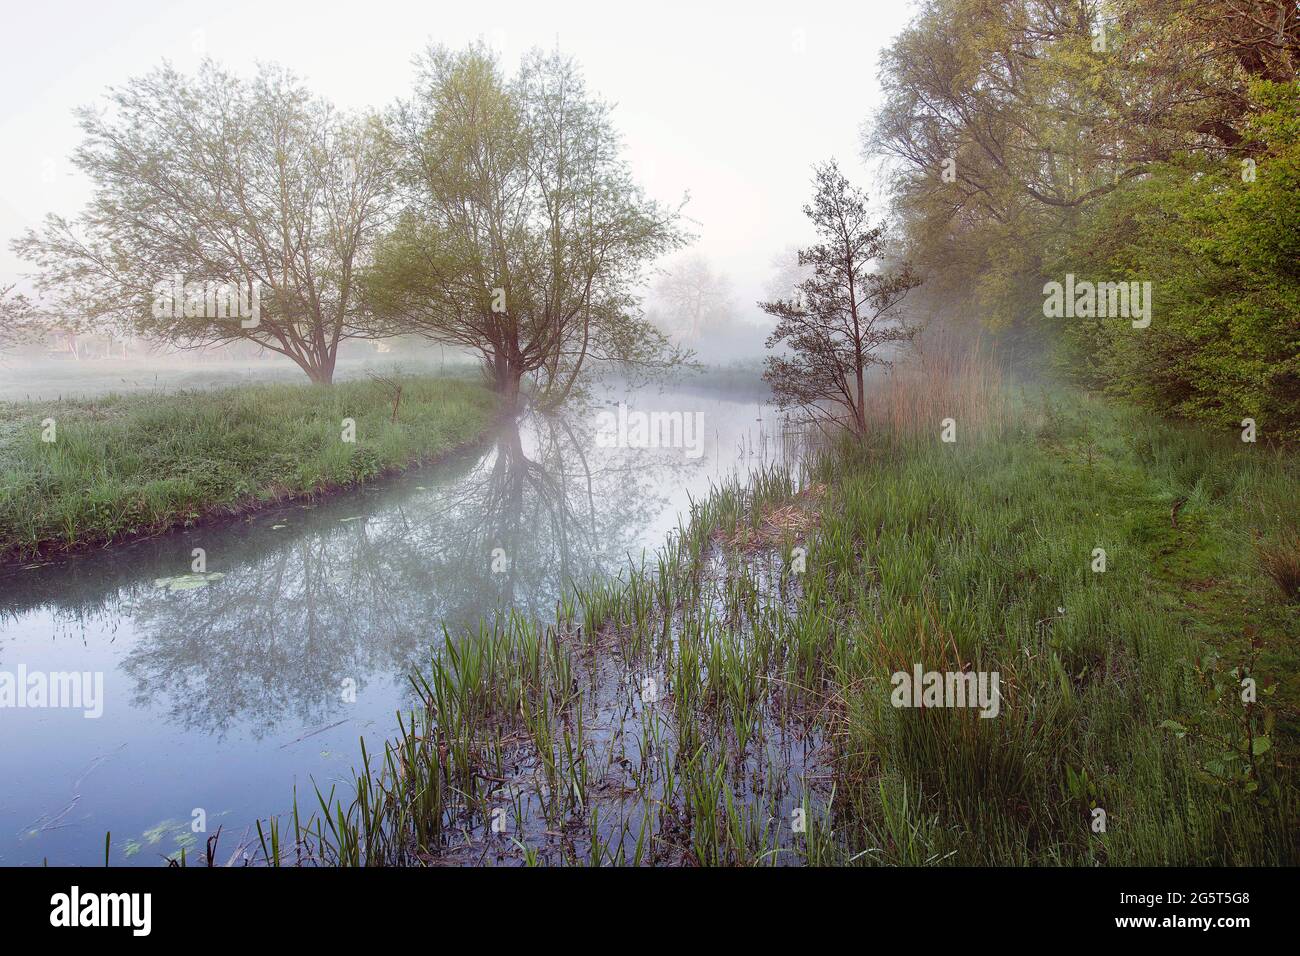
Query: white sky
{"type": "Point", "coordinates": [732, 102]}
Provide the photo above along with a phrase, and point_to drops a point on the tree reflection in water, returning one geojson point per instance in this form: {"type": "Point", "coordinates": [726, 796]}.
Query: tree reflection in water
{"type": "Point", "coordinates": [366, 586]}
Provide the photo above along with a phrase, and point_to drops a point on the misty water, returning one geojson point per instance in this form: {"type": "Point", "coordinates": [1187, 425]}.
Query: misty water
{"type": "Point", "coordinates": [226, 696]}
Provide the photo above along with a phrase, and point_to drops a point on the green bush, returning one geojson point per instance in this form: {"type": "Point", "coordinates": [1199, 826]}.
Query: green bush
{"type": "Point", "coordinates": [1223, 254]}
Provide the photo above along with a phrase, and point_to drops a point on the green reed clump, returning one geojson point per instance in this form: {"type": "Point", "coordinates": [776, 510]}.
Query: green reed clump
{"type": "Point", "coordinates": [483, 694]}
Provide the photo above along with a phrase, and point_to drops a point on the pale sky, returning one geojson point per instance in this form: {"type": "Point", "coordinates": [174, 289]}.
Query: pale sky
{"type": "Point", "coordinates": [731, 102]}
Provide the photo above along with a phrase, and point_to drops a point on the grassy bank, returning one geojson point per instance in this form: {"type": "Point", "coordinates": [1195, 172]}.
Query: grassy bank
{"type": "Point", "coordinates": [126, 465]}
{"type": "Point", "coordinates": [1121, 689]}
{"type": "Point", "coordinates": [721, 708]}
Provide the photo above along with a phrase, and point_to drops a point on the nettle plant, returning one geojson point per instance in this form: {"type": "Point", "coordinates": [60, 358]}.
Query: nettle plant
{"type": "Point", "coordinates": [1231, 731]}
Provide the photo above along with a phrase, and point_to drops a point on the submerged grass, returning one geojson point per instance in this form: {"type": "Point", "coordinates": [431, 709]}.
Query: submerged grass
{"type": "Point", "coordinates": [125, 465]}
{"type": "Point", "coordinates": [720, 708]}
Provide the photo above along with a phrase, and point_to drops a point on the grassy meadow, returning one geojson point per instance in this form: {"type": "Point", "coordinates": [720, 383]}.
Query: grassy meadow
{"type": "Point", "coordinates": [720, 708]}
{"type": "Point", "coordinates": [126, 465]}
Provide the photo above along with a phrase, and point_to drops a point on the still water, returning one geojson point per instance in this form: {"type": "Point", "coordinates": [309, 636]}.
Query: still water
{"type": "Point", "coordinates": [222, 695]}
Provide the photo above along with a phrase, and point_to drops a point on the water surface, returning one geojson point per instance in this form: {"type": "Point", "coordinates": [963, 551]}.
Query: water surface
{"type": "Point", "coordinates": [225, 697]}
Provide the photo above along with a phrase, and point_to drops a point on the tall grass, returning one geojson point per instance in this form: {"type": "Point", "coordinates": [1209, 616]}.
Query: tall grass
{"type": "Point", "coordinates": [937, 382]}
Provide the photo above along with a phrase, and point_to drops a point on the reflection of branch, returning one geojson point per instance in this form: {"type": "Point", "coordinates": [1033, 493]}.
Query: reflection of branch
{"type": "Point", "coordinates": [586, 470]}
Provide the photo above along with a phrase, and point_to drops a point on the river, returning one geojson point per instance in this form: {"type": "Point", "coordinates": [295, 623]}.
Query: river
{"type": "Point", "coordinates": [224, 692]}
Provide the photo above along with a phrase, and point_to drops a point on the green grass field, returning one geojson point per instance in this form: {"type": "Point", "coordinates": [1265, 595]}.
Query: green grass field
{"type": "Point", "coordinates": [125, 465]}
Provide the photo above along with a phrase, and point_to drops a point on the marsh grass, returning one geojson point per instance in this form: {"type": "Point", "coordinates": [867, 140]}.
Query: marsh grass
{"type": "Point", "coordinates": [1119, 689]}
{"type": "Point", "coordinates": [937, 382]}
{"type": "Point", "coordinates": [1279, 555]}
{"type": "Point", "coordinates": [128, 465]}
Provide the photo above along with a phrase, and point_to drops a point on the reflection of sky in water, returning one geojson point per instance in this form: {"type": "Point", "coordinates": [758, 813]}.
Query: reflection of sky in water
{"type": "Point", "coordinates": [227, 696]}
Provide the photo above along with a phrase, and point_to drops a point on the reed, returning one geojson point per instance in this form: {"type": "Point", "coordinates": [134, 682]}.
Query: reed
{"type": "Point", "coordinates": [937, 382]}
{"type": "Point", "coordinates": [715, 707]}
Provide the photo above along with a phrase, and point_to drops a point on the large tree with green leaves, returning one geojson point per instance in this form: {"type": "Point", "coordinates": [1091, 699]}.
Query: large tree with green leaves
{"type": "Point", "coordinates": [1223, 242]}
{"type": "Point", "coordinates": [1146, 140]}
{"type": "Point", "coordinates": [523, 236]}
{"type": "Point", "coordinates": [1005, 122]}
{"type": "Point", "coordinates": [255, 185]}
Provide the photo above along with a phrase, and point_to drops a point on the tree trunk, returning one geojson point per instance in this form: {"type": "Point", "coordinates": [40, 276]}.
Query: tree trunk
{"type": "Point", "coordinates": [320, 373]}
{"type": "Point", "coordinates": [319, 368]}
{"type": "Point", "coordinates": [327, 363]}
{"type": "Point", "coordinates": [509, 388]}
{"type": "Point", "coordinates": [505, 380]}
{"type": "Point", "coordinates": [860, 411]}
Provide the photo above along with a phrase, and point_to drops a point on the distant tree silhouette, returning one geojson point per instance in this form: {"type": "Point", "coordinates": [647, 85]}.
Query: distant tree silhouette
{"type": "Point", "coordinates": [17, 318]}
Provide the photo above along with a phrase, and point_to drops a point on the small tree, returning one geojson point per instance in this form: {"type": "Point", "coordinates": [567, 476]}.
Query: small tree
{"type": "Point", "coordinates": [257, 186]}
{"type": "Point", "coordinates": [841, 314]}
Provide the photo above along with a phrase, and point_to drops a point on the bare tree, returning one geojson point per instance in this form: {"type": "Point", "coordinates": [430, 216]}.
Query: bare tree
{"type": "Point", "coordinates": [216, 182]}
{"type": "Point", "coordinates": [840, 315]}
{"type": "Point", "coordinates": [690, 297]}
{"type": "Point", "coordinates": [783, 281]}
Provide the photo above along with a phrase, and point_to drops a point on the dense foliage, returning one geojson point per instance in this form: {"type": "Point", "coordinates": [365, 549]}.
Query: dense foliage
{"type": "Point", "coordinates": [1114, 141]}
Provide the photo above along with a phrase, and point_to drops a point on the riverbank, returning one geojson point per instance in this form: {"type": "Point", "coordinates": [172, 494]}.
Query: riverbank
{"type": "Point", "coordinates": [738, 703]}
{"type": "Point", "coordinates": [80, 473]}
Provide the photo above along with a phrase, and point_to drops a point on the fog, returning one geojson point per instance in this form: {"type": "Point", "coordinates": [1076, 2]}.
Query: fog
{"type": "Point", "coordinates": [599, 434]}
{"type": "Point", "coordinates": [725, 105]}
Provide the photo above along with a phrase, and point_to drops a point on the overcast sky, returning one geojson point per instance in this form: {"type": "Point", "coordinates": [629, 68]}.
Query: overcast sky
{"type": "Point", "coordinates": [732, 103]}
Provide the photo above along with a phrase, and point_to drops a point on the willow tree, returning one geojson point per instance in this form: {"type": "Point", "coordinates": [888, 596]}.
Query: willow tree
{"type": "Point", "coordinates": [210, 182]}
{"type": "Point", "coordinates": [523, 237]}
